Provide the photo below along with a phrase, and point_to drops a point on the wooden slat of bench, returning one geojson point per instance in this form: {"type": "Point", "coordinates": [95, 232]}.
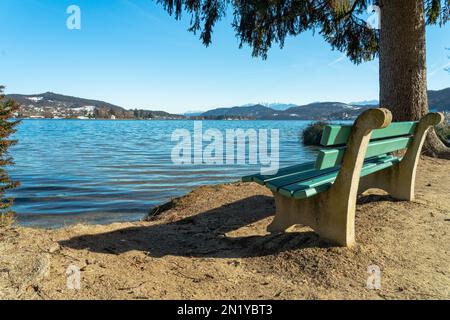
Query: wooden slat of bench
{"type": "Point", "coordinates": [276, 183]}
{"type": "Point", "coordinates": [364, 172]}
{"type": "Point", "coordinates": [329, 158]}
{"type": "Point", "coordinates": [293, 172]}
{"type": "Point", "coordinates": [292, 189]}
{"type": "Point", "coordinates": [337, 135]}
{"type": "Point", "coordinates": [314, 186]}
{"type": "Point", "coordinates": [261, 179]}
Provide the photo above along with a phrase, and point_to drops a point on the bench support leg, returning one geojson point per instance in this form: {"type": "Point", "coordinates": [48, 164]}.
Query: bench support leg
{"type": "Point", "coordinates": [399, 180]}
{"type": "Point", "coordinates": [331, 217]}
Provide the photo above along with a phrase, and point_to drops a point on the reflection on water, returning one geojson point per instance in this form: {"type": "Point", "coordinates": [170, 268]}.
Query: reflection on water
{"type": "Point", "coordinates": [104, 171]}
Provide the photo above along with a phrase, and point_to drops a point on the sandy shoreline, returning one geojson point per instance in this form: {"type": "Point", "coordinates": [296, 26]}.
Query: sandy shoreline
{"type": "Point", "coordinates": [212, 244]}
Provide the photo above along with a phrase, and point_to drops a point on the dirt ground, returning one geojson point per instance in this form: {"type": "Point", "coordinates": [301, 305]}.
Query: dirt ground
{"type": "Point", "coordinates": [213, 245]}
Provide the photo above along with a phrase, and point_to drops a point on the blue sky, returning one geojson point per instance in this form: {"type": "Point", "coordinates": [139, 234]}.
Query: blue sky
{"type": "Point", "coordinates": [132, 53]}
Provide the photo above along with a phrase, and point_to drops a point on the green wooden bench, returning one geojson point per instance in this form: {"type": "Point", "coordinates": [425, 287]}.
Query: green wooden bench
{"type": "Point", "coordinates": [322, 194]}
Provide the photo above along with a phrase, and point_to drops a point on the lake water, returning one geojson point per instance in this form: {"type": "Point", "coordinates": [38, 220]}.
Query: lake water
{"type": "Point", "coordinates": [105, 171]}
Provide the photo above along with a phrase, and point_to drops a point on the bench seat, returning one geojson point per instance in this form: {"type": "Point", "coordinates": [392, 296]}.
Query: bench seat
{"type": "Point", "coordinates": [303, 181]}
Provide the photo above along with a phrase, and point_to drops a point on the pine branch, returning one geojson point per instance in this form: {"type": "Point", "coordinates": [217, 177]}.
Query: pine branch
{"type": "Point", "coordinates": [7, 127]}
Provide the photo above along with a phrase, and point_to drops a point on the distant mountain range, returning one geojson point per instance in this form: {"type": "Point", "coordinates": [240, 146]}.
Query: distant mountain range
{"type": "Point", "coordinates": [192, 113]}
{"type": "Point", "coordinates": [319, 110]}
{"type": "Point", "coordinates": [365, 103]}
{"type": "Point", "coordinates": [274, 106]}
{"type": "Point", "coordinates": [439, 99]}
{"type": "Point", "coordinates": [52, 105]}
{"type": "Point", "coordinates": [280, 106]}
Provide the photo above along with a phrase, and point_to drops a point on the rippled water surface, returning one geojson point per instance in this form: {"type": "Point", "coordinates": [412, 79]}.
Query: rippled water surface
{"type": "Point", "coordinates": [104, 171]}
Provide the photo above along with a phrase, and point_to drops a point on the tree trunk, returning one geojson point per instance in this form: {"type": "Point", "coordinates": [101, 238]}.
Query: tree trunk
{"type": "Point", "coordinates": [403, 70]}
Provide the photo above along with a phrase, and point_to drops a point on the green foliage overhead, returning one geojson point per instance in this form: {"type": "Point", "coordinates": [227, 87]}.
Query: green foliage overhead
{"type": "Point", "coordinates": [261, 23]}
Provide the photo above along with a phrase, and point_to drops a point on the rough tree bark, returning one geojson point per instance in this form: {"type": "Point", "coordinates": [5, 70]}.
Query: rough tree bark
{"type": "Point", "coordinates": [403, 70]}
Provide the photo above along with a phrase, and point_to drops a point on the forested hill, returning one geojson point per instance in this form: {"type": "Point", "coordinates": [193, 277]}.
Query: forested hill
{"type": "Point", "coordinates": [52, 105]}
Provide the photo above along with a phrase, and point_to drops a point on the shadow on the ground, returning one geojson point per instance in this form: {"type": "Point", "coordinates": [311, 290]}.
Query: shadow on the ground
{"type": "Point", "coordinates": [202, 235]}
{"type": "Point", "coordinates": [362, 199]}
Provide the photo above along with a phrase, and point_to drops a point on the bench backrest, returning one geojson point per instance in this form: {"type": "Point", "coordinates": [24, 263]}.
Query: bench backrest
{"type": "Point", "coordinates": [396, 136]}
